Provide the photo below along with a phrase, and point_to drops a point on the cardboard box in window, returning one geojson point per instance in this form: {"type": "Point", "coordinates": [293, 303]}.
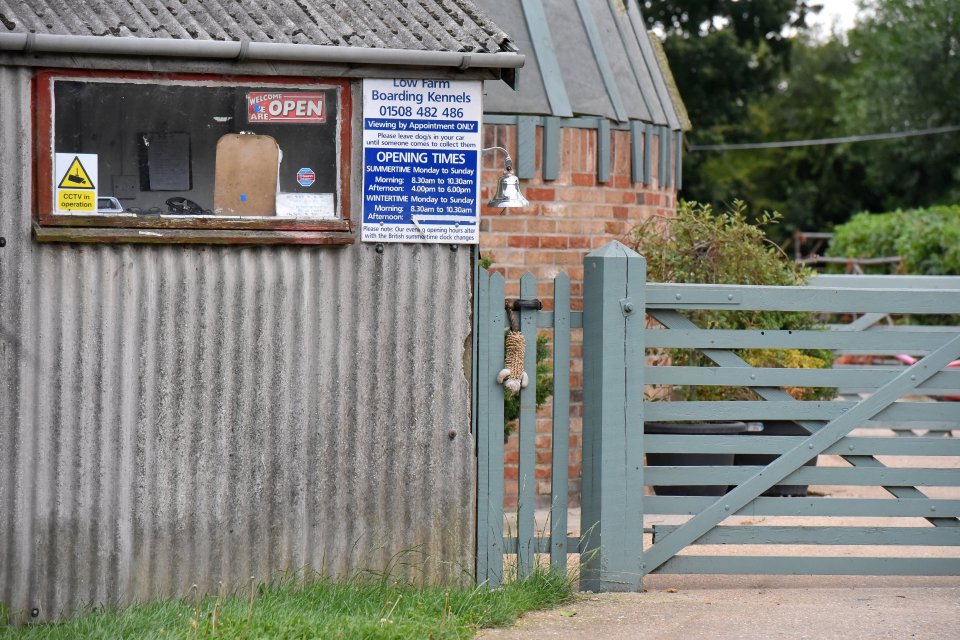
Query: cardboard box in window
{"type": "Point", "coordinates": [246, 175]}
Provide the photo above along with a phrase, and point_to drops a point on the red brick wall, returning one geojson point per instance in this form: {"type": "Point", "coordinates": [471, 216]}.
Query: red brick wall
{"type": "Point", "coordinates": [566, 219]}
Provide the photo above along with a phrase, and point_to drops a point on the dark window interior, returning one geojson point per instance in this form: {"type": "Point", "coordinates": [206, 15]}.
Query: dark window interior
{"type": "Point", "coordinates": [157, 144]}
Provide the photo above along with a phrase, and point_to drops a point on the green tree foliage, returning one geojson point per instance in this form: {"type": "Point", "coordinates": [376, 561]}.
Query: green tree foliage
{"type": "Point", "coordinates": [814, 187]}
{"type": "Point", "coordinates": [906, 76]}
{"type": "Point", "coordinates": [724, 55]}
{"type": "Point", "coordinates": [897, 70]}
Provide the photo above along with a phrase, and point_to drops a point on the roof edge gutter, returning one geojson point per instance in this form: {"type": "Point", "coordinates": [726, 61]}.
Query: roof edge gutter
{"type": "Point", "coordinates": [246, 50]}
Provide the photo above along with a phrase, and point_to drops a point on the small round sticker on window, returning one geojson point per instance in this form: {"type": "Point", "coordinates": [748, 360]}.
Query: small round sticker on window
{"type": "Point", "coordinates": [306, 177]}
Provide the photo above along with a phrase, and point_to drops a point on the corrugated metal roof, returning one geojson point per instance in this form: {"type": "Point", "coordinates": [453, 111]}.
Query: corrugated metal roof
{"type": "Point", "coordinates": [602, 59]}
{"type": "Point", "coordinates": [423, 25]}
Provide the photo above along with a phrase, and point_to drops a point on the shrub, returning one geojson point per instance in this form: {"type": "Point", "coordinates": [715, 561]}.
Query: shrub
{"type": "Point", "coordinates": [926, 240]}
{"type": "Point", "coordinates": [699, 245]}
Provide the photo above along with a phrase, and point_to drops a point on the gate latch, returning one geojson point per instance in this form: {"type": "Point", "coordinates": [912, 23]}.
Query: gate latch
{"type": "Point", "coordinates": [626, 306]}
{"type": "Point", "coordinates": [519, 305]}
{"type": "Point", "coordinates": [527, 303]}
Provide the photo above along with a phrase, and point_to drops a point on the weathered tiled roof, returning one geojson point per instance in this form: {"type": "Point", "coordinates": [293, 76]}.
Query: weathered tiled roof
{"type": "Point", "coordinates": [585, 58]}
{"type": "Point", "coordinates": [424, 25]}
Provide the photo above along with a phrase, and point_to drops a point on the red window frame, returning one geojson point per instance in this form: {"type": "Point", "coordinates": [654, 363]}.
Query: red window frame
{"type": "Point", "coordinates": [50, 226]}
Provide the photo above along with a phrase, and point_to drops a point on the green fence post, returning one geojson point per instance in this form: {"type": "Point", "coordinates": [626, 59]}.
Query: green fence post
{"type": "Point", "coordinates": [490, 327]}
{"type": "Point", "coordinates": [611, 533]}
{"type": "Point", "coordinates": [526, 478]}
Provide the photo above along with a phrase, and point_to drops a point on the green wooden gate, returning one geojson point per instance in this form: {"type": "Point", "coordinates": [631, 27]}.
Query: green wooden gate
{"type": "Point", "coordinates": [626, 532]}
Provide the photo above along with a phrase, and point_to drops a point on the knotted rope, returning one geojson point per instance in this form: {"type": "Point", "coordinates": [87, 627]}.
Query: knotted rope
{"type": "Point", "coordinates": [512, 376]}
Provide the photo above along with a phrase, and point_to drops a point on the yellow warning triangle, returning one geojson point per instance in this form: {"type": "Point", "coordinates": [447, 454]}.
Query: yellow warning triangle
{"type": "Point", "coordinates": [76, 177]}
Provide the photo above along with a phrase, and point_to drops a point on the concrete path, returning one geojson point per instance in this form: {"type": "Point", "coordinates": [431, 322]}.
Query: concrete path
{"type": "Point", "coordinates": [689, 607]}
{"type": "Point", "coordinates": [767, 607]}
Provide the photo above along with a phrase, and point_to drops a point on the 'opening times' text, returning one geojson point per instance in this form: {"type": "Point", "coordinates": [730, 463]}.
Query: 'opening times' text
{"type": "Point", "coordinates": [421, 160]}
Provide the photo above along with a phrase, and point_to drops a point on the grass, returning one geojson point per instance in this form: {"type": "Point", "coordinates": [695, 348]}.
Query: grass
{"type": "Point", "coordinates": [358, 608]}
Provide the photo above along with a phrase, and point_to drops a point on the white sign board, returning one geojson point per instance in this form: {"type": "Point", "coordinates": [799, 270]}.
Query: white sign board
{"type": "Point", "coordinates": [306, 205]}
{"type": "Point", "coordinates": [421, 160]}
{"type": "Point", "coordinates": [75, 182]}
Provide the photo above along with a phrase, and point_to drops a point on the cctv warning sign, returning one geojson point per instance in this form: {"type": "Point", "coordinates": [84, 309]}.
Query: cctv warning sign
{"type": "Point", "coordinates": [285, 107]}
{"type": "Point", "coordinates": [76, 182]}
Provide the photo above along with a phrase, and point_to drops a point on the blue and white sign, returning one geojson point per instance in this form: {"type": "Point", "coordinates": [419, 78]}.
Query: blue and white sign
{"type": "Point", "coordinates": [306, 177]}
{"type": "Point", "coordinates": [421, 160]}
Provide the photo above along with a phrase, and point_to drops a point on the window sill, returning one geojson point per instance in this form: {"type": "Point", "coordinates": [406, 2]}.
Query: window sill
{"type": "Point", "coordinates": [117, 235]}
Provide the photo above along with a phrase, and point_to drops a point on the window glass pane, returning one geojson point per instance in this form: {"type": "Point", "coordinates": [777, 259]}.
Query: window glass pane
{"type": "Point", "coordinates": [202, 149]}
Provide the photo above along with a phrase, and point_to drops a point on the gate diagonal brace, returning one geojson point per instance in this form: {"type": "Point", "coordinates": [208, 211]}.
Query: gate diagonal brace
{"type": "Point", "coordinates": [793, 459]}
{"type": "Point", "coordinates": [726, 358]}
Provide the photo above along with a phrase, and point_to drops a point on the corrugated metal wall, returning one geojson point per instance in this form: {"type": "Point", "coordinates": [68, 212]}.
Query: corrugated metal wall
{"type": "Point", "coordinates": [175, 415]}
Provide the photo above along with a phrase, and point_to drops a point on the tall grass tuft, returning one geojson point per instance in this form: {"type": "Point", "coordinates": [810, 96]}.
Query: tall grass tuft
{"type": "Point", "coordinates": [366, 606]}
